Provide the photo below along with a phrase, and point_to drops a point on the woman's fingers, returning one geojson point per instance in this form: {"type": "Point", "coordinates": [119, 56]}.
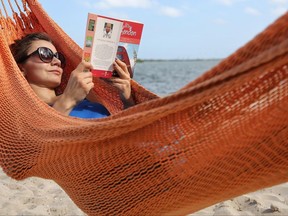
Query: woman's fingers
{"type": "Point", "coordinates": [121, 69]}
{"type": "Point", "coordinates": [80, 82]}
{"type": "Point", "coordinates": [84, 67]}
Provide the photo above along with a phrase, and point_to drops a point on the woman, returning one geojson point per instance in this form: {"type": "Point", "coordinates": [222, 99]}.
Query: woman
{"type": "Point", "coordinates": [42, 66]}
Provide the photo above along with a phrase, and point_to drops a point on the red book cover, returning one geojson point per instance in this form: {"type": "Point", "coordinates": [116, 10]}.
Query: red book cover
{"type": "Point", "coordinates": [129, 43]}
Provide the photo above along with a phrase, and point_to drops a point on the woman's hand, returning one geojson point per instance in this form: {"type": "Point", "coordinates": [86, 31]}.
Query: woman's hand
{"type": "Point", "coordinates": [122, 83]}
{"type": "Point", "coordinates": [79, 85]}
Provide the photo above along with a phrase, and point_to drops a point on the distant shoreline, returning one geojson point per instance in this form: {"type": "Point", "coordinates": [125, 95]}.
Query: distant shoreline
{"type": "Point", "coordinates": [176, 60]}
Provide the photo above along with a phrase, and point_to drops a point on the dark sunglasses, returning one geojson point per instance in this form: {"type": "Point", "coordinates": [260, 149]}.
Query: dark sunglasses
{"type": "Point", "coordinates": [46, 55]}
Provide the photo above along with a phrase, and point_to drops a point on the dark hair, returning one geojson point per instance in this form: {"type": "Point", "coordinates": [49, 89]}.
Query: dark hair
{"type": "Point", "coordinates": [20, 47]}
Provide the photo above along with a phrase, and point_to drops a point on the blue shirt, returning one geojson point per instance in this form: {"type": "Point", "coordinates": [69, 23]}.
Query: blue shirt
{"type": "Point", "coordinates": [87, 109]}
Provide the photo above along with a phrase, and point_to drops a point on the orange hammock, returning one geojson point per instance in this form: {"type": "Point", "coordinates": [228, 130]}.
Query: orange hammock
{"type": "Point", "coordinates": [223, 135]}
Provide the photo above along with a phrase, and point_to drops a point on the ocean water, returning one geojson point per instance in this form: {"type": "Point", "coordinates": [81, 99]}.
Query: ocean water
{"type": "Point", "coordinates": [166, 77]}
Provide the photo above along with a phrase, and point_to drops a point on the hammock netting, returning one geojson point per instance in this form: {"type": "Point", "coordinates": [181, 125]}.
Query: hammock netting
{"type": "Point", "coordinates": [222, 135]}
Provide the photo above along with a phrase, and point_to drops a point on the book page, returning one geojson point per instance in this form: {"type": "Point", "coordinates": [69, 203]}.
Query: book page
{"type": "Point", "coordinates": [101, 43]}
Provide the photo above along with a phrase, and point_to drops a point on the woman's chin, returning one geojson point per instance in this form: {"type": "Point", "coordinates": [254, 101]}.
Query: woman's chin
{"type": "Point", "coordinates": [54, 85]}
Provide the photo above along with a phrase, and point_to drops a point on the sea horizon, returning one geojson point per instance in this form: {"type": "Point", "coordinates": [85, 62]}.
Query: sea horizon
{"type": "Point", "coordinates": [177, 59]}
{"type": "Point", "coordinates": [163, 76]}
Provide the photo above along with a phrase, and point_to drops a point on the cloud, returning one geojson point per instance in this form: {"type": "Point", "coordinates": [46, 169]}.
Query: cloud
{"type": "Point", "coordinates": [279, 1]}
{"type": "Point", "coordinates": [170, 11]}
{"type": "Point", "coordinates": [279, 11]}
{"type": "Point", "coordinates": [85, 3]}
{"type": "Point", "coordinates": [280, 7]}
{"type": "Point", "coordinates": [252, 11]}
{"type": "Point", "coordinates": [151, 4]}
{"type": "Point", "coordinates": [219, 21]}
{"type": "Point", "coordinates": [226, 2]}
{"type": "Point", "coordinates": [104, 4]}
{"type": "Point", "coordinates": [231, 2]}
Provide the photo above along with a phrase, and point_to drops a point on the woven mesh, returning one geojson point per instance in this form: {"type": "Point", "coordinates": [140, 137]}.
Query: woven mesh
{"type": "Point", "coordinates": [222, 135]}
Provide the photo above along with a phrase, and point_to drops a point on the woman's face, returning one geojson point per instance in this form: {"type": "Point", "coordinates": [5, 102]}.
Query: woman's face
{"type": "Point", "coordinates": [39, 73]}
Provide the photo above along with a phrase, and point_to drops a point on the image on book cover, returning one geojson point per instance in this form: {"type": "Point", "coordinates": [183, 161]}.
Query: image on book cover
{"type": "Point", "coordinates": [128, 54]}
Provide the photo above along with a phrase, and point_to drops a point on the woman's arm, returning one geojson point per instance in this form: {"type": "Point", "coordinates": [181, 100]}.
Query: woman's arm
{"type": "Point", "coordinates": [79, 85]}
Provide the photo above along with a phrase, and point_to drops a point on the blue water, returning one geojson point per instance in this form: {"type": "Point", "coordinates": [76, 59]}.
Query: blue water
{"type": "Point", "coordinates": [166, 77]}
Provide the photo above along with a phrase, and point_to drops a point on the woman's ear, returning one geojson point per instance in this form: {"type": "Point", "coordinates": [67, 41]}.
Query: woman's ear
{"type": "Point", "coordinates": [22, 69]}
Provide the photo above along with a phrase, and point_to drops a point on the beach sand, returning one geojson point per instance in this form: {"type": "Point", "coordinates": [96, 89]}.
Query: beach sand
{"type": "Point", "coordinates": [36, 196]}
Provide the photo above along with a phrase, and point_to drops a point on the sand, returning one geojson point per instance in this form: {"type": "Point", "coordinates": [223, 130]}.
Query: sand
{"type": "Point", "coordinates": [36, 196]}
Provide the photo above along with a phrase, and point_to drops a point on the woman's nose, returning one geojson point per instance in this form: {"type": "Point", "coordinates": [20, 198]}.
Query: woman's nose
{"type": "Point", "coordinates": [56, 61]}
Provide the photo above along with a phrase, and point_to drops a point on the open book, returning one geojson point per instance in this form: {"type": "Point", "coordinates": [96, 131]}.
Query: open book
{"type": "Point", "coordinates": [107, 38]}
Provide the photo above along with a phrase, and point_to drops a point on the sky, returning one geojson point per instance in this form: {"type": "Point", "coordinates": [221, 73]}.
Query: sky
{"type": "Point", "coordinates": [182, 29]}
